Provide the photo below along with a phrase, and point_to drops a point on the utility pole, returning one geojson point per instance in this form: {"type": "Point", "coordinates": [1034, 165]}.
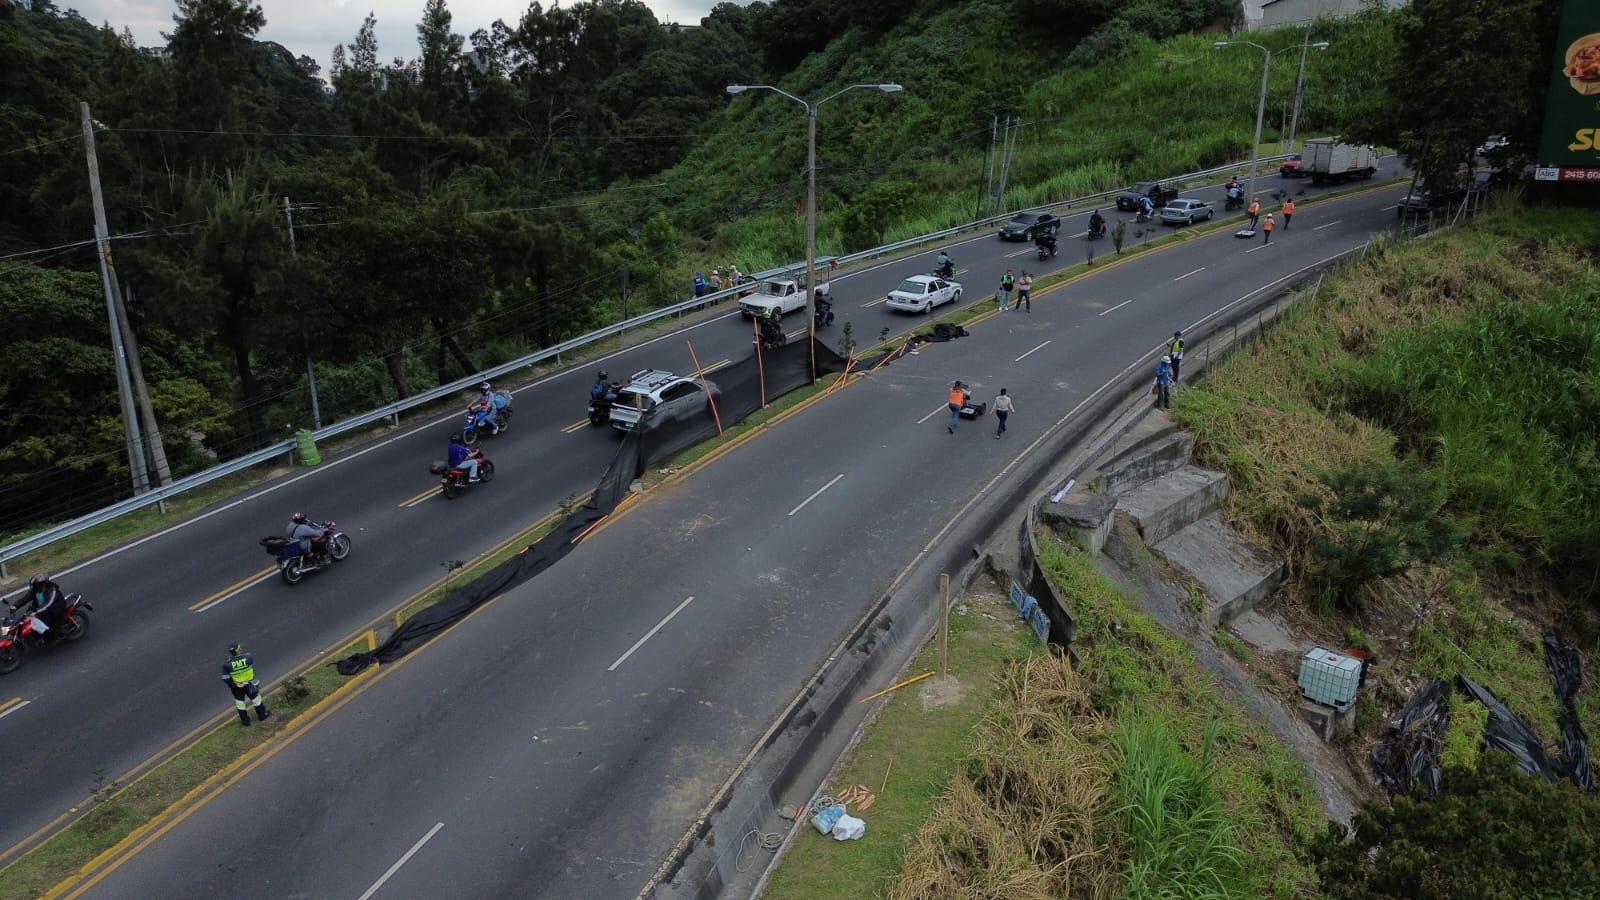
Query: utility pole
{"type": "Point", "coordinates": [1007, 148]}
{"type": "Point", "coordinates": [1299, 89]}
{"type": "Point", "coordinates": [141, 392]}
{"type": "Point", "coordinates": [130, 419]}
{"type": "Point", "coordinates": [988, 180]}
{"type": "Point", "coordinates": [305, 341]}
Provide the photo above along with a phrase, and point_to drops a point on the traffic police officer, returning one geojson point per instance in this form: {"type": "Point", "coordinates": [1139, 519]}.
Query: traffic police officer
{"type": "Point", "coordinates": [1175, 350]}
{"type": "Point", "coordinates": [240, 674]}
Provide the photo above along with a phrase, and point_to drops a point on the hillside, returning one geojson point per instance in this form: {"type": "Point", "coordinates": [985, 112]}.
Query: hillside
{"type": "Point", "coordinates": [895, 166]}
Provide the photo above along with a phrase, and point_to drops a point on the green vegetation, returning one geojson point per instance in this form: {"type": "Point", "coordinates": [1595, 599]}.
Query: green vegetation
{"type": "Point", "coordinates": [1493, 832]}
{"type": "Point", "coordinates": [1124, 776]}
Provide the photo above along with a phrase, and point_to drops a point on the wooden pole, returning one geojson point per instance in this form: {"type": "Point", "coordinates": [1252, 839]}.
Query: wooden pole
{"type": "Point", "coordinates": [944, 624]}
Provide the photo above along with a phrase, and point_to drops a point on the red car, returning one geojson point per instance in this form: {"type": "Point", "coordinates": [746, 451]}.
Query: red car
{"type": "Point", "coordinates": [1291, 167]}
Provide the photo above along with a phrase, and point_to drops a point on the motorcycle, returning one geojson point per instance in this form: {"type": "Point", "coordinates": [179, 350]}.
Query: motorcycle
{"type": "Point", "coordinates": [1141, 217]}
{"type": "Point", "coordinates": [489, 420]}
{"type": "Point", "coordinates": [1097, 231]}
{"type": "Point", "coordinates": [772, 336]}
{"type": "Point", "coordinates": [1233, 202]}
{"type": "Point", "coordinates": [294, 565]}
{"type": "Point", "coordinates": [946, 271]}
{"type": "Point", "coordinates": [824, 313]}
{"type": "Point", "coordinates": [26, 632]}
{"type": "Point", "coordinates": [453, 479]}
{"type": "Point", "coordinates": [1047, 248]}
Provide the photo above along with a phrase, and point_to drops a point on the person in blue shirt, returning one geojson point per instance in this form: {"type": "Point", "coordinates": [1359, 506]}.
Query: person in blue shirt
{"type": "Point", "coordinates": [302, 531]}
{"type": "Point", "coordinates": [699, 284]}
{"type": "Point", "coordinates": [462, 457]}
{"type": "Point", "coordinates": [601, 386]}
{"type": "Point", "coordinates": [1147, 207]}
{"type": "Point", "coordinates": [1163, 386]}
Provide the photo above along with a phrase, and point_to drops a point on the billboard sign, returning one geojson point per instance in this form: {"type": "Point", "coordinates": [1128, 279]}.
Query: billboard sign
{"type": "Point", "coordinates": [1571, 144]}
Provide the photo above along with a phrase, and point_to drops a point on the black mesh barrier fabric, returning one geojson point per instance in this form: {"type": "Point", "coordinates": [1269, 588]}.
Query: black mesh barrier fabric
{"type": "Point", "coordinates": [738, 390]}
{"type": "Point", "coordinates": [1504, 731]}
{"type": "Point", "coordinates": [541, 555]}
{"type": "Point", "coordinates": [1408, 754]}
{"type": "Point", "coordinates": [1566, 672]}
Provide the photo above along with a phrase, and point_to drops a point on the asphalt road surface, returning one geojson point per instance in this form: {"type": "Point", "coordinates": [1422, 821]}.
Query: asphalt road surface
{"type": "Point", "coordinates": [560, 741]}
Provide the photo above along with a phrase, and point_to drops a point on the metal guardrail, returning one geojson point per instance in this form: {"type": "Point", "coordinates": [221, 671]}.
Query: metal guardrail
{"type": "Point", "coordinates": [158, 495]}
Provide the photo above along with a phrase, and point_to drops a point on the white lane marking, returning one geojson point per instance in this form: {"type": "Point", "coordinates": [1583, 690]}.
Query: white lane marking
{"type": "Point", "coordinates": [651, 633]}
{"type": "Point", "coordinates": [1118, 306]}
{"type": "Point", "coordinates": [944, 408]}
{"type": "Point", "coordinates": [1016, 253]}
{"type": "Point", "coordinates": [400, 862]}
{"type": "Point", "coordinates": [1329, 225]}
{"type": "Point", "coordinates": [1187, 274]}
{"type": "Point", "coordinates": [817, 494]}
{"type": "Point", "coordinates": [236, 591]}
{"type": "Point", "coordinates": [1031, 352]}
{"type": "Point", "coordinates": [1387, 208]}
{"type": "Point", "coordinates": [1262, 246]}
{"type": "Point", "coordinates": [13, 708]}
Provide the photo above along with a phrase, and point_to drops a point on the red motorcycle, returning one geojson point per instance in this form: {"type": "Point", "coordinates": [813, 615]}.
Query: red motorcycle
{"type": "Point", "coordinates": [19, 632]}
{"type": "Point", "coordinates": [453, 479]}
{"type": "Point", "coordinates": [294, 565]}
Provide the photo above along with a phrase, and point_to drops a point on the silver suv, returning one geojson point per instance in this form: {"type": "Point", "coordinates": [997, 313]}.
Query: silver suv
{"type": "Point", "coordinates": [650, 388]}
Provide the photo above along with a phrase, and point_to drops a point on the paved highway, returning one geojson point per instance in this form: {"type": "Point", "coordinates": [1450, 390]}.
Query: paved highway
{"type": "Point", "coordinates": [558, 742]}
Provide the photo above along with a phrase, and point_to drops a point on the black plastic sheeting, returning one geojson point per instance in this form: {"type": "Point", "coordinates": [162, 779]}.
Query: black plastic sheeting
{"type": "Point", "coordinates": [740, 389]}
{"type": "Point", "coordinates": [1409, 753]}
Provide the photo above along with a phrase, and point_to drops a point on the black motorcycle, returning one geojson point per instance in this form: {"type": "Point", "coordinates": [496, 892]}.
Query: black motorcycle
{"type": "Point", "coordinates": [600, 405]}
{"type": "Point", "coordinates": [772, 336]}
{"type": "Point", "coordinates": [824, 313]}
{"type": "Point", "coordinates": [1097, 230]}
{"type": "Point", "coordinates": [946, 271]}
{"type": "Point", "coordinates": [1047, 247]}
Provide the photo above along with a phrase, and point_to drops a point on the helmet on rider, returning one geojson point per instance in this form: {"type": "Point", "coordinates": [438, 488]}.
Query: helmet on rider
{"type": "Point", "coordinates": [39, 580]}
{"type": "Point", "coordinates": [601, 375]}
{"type": "Point", "coordinates": [456, 438]}
{"type": "Point", "coordinates": [298, 518]}
{"type": "Point", "coordinates": [485, 387]}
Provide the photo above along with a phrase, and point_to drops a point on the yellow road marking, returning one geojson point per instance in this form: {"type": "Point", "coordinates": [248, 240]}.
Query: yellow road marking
{"type": "Point", "coordinates": [231, 589]}
{"type": "Point", "coordinates": [568, 429]}
{"type": "Point", "coordinates": [9, 706]}
{"type": "Point", "coordinates": [418, 498]}
{"type": "Point", "coordinates": [873, 303]}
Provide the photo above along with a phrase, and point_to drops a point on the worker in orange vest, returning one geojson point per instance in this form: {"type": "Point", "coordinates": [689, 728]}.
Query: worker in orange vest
{"type": "Point", "coordinates": [958, 399]}
{"type": "Point", "coordinates": [1255, 212]}
{"type": "Point", "coordinates": [1288, 211]}
{"type": "Point", "coordinates": [1267, 228]}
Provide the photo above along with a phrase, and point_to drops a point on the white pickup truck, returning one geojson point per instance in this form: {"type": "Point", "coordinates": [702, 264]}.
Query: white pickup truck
{"type": "Point", "coordinates": [787, 294]}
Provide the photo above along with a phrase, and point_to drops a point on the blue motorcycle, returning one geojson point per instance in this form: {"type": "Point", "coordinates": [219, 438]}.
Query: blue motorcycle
{"type": "Point", "coordinates": [487, 420]}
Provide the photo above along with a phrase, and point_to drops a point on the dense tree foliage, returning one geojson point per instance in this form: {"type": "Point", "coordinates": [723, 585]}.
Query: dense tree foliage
{"type": "Point", "coordinates": [1493, 832]}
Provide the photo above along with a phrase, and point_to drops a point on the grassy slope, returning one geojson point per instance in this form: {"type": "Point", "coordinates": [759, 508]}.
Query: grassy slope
{"type": "Point", "coordinates": [1471, 353]}
{"type": "Point", "coordinates": [1155, 110]}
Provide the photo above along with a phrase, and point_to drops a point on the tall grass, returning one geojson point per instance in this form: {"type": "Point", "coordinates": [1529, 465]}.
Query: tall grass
{"type": "Point", "coordinates": [1127, 776]}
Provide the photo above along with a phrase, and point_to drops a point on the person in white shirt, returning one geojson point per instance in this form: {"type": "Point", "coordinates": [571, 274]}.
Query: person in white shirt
{"type": "Point", "coordinates": [1002, 409]}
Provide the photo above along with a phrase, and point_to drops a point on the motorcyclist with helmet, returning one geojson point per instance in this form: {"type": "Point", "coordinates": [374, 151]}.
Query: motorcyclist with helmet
{"type": "Point", "coordinates": [485, 406]}
{"type": "Point", "coordinates": [601, 386]}
{"type": "Point", "coordinates": [944, 266]}
{"type": "Point", "coordinates": [302, 531]}
{"type": "Point", "coordinates": [1097, 224]}
{"type": "Point", "coordinates": [44, 600]}
{"type": "Point", "coordinates": [461, 456]}
{"type": "Point", "coordinates": [1235, 192]}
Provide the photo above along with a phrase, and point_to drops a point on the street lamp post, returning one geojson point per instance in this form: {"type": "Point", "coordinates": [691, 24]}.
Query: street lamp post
{"type": "Point", "coordinates": [811, 193]}
{"type": "Point", "coordinates": [1261, 107]}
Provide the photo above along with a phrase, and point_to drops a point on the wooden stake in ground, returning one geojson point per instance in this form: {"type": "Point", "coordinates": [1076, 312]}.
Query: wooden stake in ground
{"type": "Point", "coordinates": [886, 770]}
{"type": "Point", "coordinates": [944, 624]}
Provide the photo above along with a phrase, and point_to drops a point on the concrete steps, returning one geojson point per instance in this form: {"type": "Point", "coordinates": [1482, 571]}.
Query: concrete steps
{"type": "Point", "coordinates": [1168, 504]}
{"type": "Point", "coordinates": [1232, 572]}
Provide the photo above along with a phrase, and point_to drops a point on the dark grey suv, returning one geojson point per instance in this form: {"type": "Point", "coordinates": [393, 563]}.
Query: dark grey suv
{"type": "Point", "coordinates": [1029, 225]}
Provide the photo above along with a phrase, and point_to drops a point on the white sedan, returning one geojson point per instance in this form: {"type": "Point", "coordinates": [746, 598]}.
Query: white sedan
{"type": "Point", "coordinates": [921, 293]}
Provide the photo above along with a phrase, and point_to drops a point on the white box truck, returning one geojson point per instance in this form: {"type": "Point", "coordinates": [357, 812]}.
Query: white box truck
{"type": "Point", "coordinates": [1330, 162]}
